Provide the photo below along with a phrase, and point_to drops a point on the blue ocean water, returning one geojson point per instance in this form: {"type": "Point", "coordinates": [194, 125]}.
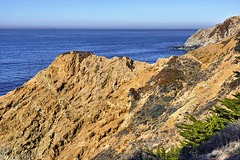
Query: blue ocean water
{"type": "Point", "coordinates": [23, 53]}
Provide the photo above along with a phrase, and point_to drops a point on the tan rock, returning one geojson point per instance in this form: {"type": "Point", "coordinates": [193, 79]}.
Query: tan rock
{"type": "Point", "coordinates": [215, 34]}
{"type": "Point", "coordinates": [80, 107]}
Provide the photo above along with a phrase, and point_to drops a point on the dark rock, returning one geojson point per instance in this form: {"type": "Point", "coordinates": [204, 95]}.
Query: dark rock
{"type": "Point", "coordinates": [177, 47]}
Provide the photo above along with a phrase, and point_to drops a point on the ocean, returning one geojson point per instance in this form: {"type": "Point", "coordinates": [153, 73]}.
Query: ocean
{"type": "Point", "coordinates": [23, 53]}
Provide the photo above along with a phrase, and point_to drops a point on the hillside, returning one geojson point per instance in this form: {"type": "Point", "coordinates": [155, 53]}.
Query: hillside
{"type": "Point", "coordinates": [88, 107]}
{"type": "Point", "coordinates": [215, 34]}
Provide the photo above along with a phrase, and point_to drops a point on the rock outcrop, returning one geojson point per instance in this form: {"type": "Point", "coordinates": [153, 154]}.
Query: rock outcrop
{"type": "Point", "coordinates": [88, 107]}
{"type": "Point", "coordinates": [215, 34]}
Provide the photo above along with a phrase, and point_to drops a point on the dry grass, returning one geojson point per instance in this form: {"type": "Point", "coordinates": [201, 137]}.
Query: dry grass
{"type": "Point", "coordinates": [230, 150]}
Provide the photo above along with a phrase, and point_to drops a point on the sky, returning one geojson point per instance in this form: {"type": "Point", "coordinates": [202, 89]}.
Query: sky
{"type": "Point", "coordinates": [116, 14]}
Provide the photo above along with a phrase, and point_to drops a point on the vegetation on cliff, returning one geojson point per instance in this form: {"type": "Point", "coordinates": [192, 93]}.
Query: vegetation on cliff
{"type": "Point", "coordinates": [202, 137]}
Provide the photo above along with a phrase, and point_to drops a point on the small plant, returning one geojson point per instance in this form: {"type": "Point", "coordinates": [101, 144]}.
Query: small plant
{"type": "Point", "coordinates": [200, 131]}
{"type": "Point", "coordinates": [198, 134]}
{"type": "Point", "coordinates": [223, 138]}
{"type": "Point", "coordinates": [162, 154]}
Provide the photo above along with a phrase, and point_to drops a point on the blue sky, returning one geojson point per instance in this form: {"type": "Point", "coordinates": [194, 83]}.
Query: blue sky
{"type": "Point", "coordinates": [121, 14]}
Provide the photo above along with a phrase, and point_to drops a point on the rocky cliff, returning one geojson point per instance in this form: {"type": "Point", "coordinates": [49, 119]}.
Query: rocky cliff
{"type": "Point", "coordinates": [215, 34]}
{"type": "Point", "coordinates": [88, 107]}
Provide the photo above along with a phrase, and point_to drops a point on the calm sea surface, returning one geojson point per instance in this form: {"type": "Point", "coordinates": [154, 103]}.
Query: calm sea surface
{"type": "Point", "coordinates": [23, 53]}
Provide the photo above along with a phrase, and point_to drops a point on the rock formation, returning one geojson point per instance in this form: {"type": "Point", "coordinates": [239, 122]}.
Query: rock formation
{"type": "Point", "coordinates": [215, 34]}
{"type": "Point", "coordinates": [88, 107]}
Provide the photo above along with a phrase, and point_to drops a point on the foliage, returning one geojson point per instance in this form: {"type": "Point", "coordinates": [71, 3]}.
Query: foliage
{"type": "Point", "coordinates": [204, 136]}
{"type": "Point", "coordinates": [161, 153]}
{"type": "Point", "coordinates": [225, 136]}
{"type": "Point", "coordinates": [232, 110]}
{"type": "Point", "coordinates": [200, 131]}
{"type": "Point", "coordinates": [220, 142]}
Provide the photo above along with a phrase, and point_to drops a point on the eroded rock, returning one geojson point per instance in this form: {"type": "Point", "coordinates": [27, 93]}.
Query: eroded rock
{"type": "Point", "coordinates": [80, 108]}
{"type": "Point", "coordinates": [215, 34]}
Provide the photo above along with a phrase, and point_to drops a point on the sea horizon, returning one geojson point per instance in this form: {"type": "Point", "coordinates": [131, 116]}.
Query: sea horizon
{"type": "Point", "coordinates": [164, 29]}
{"type": "Point", "coordinates": [119, 79]}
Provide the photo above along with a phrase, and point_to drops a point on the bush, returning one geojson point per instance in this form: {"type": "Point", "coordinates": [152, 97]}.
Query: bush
{"type": "Point", "coordinates": [202, 137]}
{"type": "Point", "coordinates": [162, 154]}
{"type": "Point", "coordinates": [221, 141]}
{"type": "Point", "coordinates": [222, 138]}
{"type": "Point", "coordinates": [200, 131]}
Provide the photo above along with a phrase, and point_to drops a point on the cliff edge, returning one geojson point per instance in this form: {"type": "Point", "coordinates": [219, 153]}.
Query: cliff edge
{"type": "Point", "coordinates": [87, 107]}
{"type": "Point", "coordinates": [215, 34]}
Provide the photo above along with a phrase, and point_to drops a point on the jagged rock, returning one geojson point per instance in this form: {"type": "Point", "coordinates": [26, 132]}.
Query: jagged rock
{"type": "Point", "coordinates": [215, 34]}
{"type": "Point", "coordinates": [177, 47]}
{"type": "Point", "coordinates": [80, 108]}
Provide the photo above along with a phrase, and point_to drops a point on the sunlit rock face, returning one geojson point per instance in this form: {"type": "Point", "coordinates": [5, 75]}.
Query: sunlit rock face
{"type": "Point", "coordinates": [88, 107]}
{"type": "Point", "coordinates": [215, 34]}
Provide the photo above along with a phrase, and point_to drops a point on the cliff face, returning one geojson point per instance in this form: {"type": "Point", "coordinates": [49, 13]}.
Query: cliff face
{"type": "Point", "coordinates": [215, 34]}
{"type": "Point", "coordinates": [88, 107]}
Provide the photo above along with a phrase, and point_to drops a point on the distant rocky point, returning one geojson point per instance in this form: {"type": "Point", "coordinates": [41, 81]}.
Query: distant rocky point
{"type": "Point", "coordinates": [177, 47]}
{"type": "Point", "coordinates": [215, 34]}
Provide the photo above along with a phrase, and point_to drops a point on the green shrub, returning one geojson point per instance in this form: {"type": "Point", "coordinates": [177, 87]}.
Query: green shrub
{"type": "Point", "coordinates": [162, 154]}
{"type": "Point", "coordinates": [225, 136]}
{"type": "Point", "coordinates": [232, 110]}
{"type": "Point", "coordinates": [200, 131]}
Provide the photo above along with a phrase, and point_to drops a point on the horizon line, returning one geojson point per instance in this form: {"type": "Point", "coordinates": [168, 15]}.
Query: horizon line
{"type": "Point", "coordinates": [99, 28]}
